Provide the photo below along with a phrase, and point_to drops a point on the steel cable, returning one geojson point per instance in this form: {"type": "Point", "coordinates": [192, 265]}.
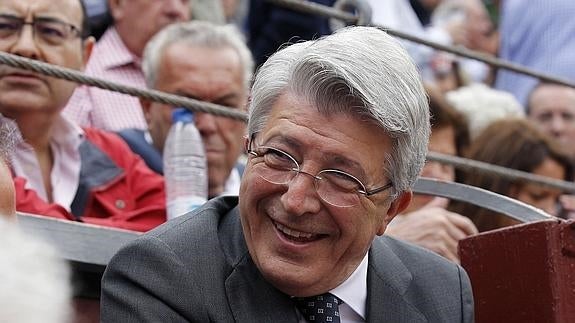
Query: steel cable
{"type": "Point", "coordinates": [201, 106]}
{"type": "Point", "coordinates": [152, 95]}
{"type": "Point", "coordinates": [325, 11]}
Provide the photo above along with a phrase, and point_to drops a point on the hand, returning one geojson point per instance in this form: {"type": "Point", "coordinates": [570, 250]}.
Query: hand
{"type": "Point", "coordinates": [434, 228]}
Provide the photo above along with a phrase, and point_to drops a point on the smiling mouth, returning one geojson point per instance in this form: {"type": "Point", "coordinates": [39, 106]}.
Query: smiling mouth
{"type": "Point", "coordinates": [297, 236]}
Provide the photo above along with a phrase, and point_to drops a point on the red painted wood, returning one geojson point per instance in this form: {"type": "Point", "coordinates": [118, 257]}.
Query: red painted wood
{"type": "Point", "coordinates": [524, 273]}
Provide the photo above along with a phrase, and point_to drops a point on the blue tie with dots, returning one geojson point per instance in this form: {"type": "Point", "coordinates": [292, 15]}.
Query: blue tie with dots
{"type": "Point", "coordinates": [320, 308]}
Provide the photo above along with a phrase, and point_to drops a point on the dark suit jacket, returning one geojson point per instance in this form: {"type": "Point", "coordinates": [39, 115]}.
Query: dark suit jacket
{"type": "Point", "coordinates": [197, 268]}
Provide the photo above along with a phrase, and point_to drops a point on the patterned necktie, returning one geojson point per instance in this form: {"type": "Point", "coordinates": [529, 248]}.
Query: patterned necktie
{"type": "Point", "coordinates": [320, 308]}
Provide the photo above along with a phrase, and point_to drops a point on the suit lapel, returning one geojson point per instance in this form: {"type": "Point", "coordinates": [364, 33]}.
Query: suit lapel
{"type": "Point", "coordinates": [250, 297]}
{"type": "Point", "coordinates": [387, 282]}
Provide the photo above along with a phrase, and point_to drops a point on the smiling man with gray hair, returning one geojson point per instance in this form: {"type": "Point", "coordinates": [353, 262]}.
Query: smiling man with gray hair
{"type": "Point", "coordinates": [337, 135]}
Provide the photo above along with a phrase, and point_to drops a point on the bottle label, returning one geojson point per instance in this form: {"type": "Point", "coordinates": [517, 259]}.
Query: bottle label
{"type": "Point", "coordinates": [183, 205]}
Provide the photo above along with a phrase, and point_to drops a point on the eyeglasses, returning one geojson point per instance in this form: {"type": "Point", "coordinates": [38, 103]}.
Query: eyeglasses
{"type": "Point", "coordinates": [333, 186]}
{"type": "Point", "coordinates": [49, 31]}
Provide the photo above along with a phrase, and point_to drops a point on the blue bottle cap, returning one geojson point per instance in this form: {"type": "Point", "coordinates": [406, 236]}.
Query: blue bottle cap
{"type": "Point", "coordinates": [182, 114]}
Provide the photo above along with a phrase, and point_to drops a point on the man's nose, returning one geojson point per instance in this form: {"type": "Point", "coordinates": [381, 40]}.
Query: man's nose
{"type": "Point", "coordinates": [557, 124]}
{"type": "Point", "coordinates": [301, 197]}
{"type": "Point", "coordinates": [205, 122]}
{"type": "Point", "coordinates": [25, 44]}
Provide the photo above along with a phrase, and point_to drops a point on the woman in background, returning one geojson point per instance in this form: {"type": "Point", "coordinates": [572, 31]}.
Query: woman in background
{"type": "Point", "coordinates": [517, 144]}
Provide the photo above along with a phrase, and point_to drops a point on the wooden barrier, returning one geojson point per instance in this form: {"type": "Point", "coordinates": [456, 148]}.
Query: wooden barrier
{"type": "Point", "coordinates": [89, 248]}
{"type": "Point", "coordinates": [524, 273]}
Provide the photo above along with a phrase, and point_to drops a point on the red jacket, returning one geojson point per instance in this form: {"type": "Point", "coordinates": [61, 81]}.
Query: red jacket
{"type": "Point", "coordinates": [116, 188]}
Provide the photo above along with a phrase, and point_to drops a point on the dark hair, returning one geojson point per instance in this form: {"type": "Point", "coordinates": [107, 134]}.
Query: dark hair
{"type": "Point", "coordinates": [511, 143]}
{"type": "Point", "coordinates": [445, 115]}
{"type": "Point", "coordinates": [85, 32]}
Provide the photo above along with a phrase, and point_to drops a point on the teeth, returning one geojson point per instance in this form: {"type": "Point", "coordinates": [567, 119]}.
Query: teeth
{"type": "Point", "coordinates": [293, 233]}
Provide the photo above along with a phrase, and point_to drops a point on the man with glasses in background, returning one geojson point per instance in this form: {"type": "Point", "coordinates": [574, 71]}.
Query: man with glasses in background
{"type": "Point", "coordinates": [60, 169]}
{"type": "Point", "coordinates": [337, 135]}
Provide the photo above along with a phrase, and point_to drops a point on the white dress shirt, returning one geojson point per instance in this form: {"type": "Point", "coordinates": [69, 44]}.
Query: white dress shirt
{"type": "Point", "coordinates": [353, 293]}
{"type": "Point", "coordinates": [65, 142]}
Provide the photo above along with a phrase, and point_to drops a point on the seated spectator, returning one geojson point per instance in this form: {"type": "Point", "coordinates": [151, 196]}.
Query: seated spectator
{"type": "Point", "coordinates": [426, 222]}
{"type": "Point", "coordinates": [80, 174]}
{"type": "Point", "coordinates": [480, 35]}
{"type": "Point", "coordinates": [117, 57]}
{"type": "Point", "coordinates": [34, 283]}
{"type": "Point", "coordinates": [552, 108]}
{"type": "Point", "coordinates": [537, 34]}
{"type": "Point", "coordinates": [402, 16]}
{"type": "Point", "coordinates": [516, 144]}
{"type": "Point", "coordinates": [304, 229]}
{"type": "Point", "coordinates": [205, 62]}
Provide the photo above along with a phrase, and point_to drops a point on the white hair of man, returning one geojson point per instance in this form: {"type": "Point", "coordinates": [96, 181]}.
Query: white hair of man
{"type": "Point", "coordinates": [482, 105]}
{"type": "Point", "coordinates": [34, 282]}
{"type": "Point", "coordinates": [361, 71]}
{"type": "Point", "coordinates": [200, 34]}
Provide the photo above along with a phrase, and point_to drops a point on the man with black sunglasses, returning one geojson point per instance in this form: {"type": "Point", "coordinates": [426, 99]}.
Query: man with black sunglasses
{"type": "Point", "coordinates": [83, 174]}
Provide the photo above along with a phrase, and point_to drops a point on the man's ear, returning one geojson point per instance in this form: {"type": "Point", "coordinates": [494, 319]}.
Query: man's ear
{"type": "Point", "coordinates": [116, 8]}
{"type": "Point", "coordinates": [87, 47]}
{"type": "Point", "coordinates": [397, 206]}
{"type": "Point", "coordinates": [246, 143]}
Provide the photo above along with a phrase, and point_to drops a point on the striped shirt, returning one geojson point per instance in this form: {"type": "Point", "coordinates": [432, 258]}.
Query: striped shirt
{"type": "Point", "coordinates": [539, 34]}
{"type": "Point", "coordinates": [94, 107]}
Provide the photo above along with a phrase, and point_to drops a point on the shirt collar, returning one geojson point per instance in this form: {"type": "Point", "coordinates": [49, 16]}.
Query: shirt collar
{"type": "Point", "coordinates": [67, 132]}
{"type": "Point", "coordinates": [353, 291]}
{"type": "Point", "coordinates": [115, 53]}
{"type": "Point", "coordinates": [232, 185]}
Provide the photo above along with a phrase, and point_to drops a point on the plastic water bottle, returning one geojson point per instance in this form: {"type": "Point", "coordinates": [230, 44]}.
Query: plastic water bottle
{"type": "Point", "coordinates": [185, 168]}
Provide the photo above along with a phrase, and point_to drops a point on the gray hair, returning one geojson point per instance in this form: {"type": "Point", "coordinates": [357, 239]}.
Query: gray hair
{"type": "Point", "coordinates": [360, 71]}
{"type": "Point", "coordinates": [9, 136]}
{"type": "Point", "coordinates": [196, 33]}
